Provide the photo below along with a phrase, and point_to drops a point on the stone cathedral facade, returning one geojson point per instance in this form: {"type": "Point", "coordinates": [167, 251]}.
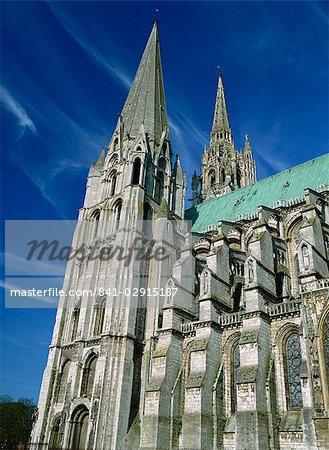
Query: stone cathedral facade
{"type": "Point", "coordinates": [238, 356]}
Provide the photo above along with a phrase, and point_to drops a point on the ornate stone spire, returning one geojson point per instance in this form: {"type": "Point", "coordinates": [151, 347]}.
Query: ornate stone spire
{"type": "Point", "coordinates": [221, 130]}
{"type": "Point", "coordinates": [145, 104]}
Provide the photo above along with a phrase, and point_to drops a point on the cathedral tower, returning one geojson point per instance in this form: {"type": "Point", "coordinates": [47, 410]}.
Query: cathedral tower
{"type": "Point", "coordinates": [224, 169]}
{"type": "Point", "coordinates": [91, 386]}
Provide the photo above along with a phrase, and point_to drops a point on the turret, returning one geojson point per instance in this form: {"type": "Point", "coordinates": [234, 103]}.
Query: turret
{"type": "Point", "coordinates": [224, 168]}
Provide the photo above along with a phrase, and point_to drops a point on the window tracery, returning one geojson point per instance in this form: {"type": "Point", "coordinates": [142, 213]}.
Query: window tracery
{"type": "Point", "coordinates": [325, 343]}
{"type": "Point", "coordinates": [293, 361]}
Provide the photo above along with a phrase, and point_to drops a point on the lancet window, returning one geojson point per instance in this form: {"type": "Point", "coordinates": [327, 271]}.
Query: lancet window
{"type": "Point", "coordinates": [293, 361]}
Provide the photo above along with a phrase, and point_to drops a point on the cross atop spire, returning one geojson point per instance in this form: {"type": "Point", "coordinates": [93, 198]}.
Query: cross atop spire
{"type": "Point", "coordinates": [221, 130]}
{"type": "Point", "coordinates": [146, 103]}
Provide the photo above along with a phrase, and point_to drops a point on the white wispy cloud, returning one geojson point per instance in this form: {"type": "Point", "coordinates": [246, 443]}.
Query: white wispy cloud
{"type": "Point", "coordinates": [14, 107]}
{"type": "Point", "coordinates": [106, 62]}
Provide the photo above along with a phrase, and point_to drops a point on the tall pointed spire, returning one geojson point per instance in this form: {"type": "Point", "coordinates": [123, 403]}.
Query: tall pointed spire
{"type": "Point", "coordinates": [145, 103]}
{"type": "Point", "coordinates": [221, 126]}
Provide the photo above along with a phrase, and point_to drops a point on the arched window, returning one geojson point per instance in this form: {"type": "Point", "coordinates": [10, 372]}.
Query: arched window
{"type": "Point", "coordinates": [211, 178]}
{"type": "Point", "coordinates": [54, 441]}
{"type": "Point", "coordinates": [62, 381]}
{"type": "Point", "coordinates": [325, 343]}
{"type": "Point", "coordinates": [235, 365]}
{"type": "Point", "coordinates": [293, 361]}
{"type": "Point", "coordinates": [238, 178]}
{"type": "Point", "coordinates": [117, 214]}
{"type": "Point", "coordinates": [113, 182]}
{"type": "Point", "coordinates": [158, 192]}
{"type": "Point", "coordinates": [113, 161]}
{"type": "Point", "coordinates": [95, 223]}
{"type": "Point", "coordinates": [75, 321]}
{"type": "Point", "coordinates": [99, 314]}
{"type": "Point", "coordinates": [80, 420]}
{"type": "Point", "coordinates": [159, 180]}
{"type": "Point", "coordinates": [136, 172]}
{"type": "Point", "coordinates": [88, 376]}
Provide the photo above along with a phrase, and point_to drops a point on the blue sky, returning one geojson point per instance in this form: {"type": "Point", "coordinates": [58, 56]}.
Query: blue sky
{"type": "Point", "coordinates": [66, 70]}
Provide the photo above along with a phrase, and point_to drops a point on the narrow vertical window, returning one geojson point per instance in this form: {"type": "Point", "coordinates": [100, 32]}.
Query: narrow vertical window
{"type": "Point", "coordinates": [75, 321]}
{"type": "Point", "coordinates": [136, 172]}
{"type": "Point", "coordinates": [95, 223]}
{"type": "Point", "coordinates": [159, 181]}
{"type": "Point", "coordinates": [62, 381]}
{"type": "Point", "coordinates": [113, 182]}
{"type": "Point", "coordinates": [235, 365]}
{"type": "Point", "coordinates": [279, 280]}
{"type": "Point", "coordinates": [99, 312]}
{"type": "Point", "coordinates": [325, 343]}
{"type": "Point", "coordinates": [293, 361]}
{"type": "Point", "coordinates": [54, 442]}
{"type": "Point", "coordinates": [88, 376]}
{"type": "Point", "coordinates": [147, 219]}
{"type": "Point", "coordinates": [117, 215]}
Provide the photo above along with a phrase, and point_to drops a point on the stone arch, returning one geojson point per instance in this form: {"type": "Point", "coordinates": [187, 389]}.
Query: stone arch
{"type": "Point", "coordinates": [231, 353]}
{"type": "Point", "coordinates": [95, 214]}
{"type": "Point", "coordinates": [113, 161]}
{"type": "Point", "coordinates": [293, 239]}
{"type": "Point", "coordinates": [88, 375]}
{"type": "Point", "coordinates": [116, 214]}
{"type": "Point", "coordinates": [112, 179]}
{"type": "Point", "coordinates": [288, 366]}
{"type": "Point", "coordinates": [94, 217]}
{"type": "Point", "coordinates": [79, 428]}
{"type": "Point", "coordinates": [162, 163]}
{"type": "Point", "coordinates": [136, 171]}
{"type": "Point", "coordinates": [55, 438]}
{"type": "Point", "coordinates": [62, 381]}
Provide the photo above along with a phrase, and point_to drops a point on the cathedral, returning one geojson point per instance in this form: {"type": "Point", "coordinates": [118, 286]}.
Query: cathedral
{"type": "Point", "coordinates": [223, 343]}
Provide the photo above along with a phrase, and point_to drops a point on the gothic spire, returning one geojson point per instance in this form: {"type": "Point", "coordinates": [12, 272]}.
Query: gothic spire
{"type": "Point", "coordinates": [221, 130]}
{"type": "Point", "coordinates": [145, 103]}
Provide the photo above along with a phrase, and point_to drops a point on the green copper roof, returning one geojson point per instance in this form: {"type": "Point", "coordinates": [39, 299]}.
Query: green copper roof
{"type": "Point", "coordinates": [273, 191]}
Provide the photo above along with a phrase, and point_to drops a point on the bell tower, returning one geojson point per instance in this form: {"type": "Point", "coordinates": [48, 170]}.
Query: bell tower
{"type": "Point", "coordinates": [91, 387]}
{"type": "Point", "coordinates": [224, 169]}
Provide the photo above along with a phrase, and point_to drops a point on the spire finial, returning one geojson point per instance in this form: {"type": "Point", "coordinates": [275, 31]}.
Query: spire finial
{"type": "Point", "coordinates": [156, 16]}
